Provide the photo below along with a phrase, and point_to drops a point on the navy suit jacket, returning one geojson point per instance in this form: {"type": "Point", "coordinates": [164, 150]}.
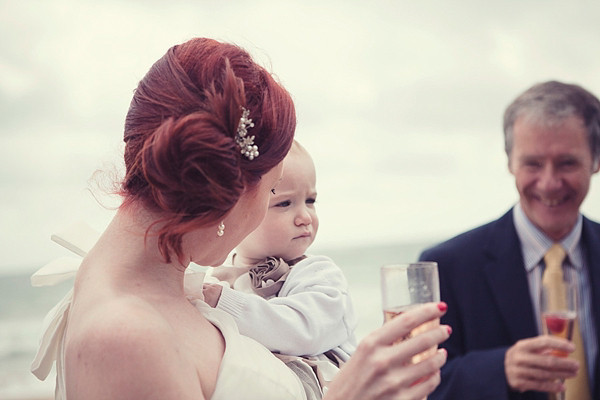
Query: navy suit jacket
{"type": "Point", "coordinates": [483, 280]}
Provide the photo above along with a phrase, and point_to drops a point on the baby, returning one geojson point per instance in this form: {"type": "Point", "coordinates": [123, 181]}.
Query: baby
{"type": "Point", "coordinates": [293, 303]}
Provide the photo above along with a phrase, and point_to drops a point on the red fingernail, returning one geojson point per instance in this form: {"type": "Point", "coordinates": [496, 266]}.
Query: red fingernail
{"type": "Point", "coordinates": [442, 306]}
{"type": "Point", "coordinates": [449, 329]}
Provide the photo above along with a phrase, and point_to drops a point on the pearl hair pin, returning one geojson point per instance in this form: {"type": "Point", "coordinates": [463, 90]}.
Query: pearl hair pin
{"type": "Point", "coordinates": [246, 143]}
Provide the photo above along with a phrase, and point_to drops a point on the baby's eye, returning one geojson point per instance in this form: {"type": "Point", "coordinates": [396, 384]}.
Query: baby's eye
{"type": "Point", "coordinates": [311, 200]}
{"type": "Point", "coordinates": [285, 203]}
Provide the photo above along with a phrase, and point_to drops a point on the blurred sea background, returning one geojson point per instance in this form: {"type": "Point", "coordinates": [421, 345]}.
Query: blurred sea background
{"type": "Point", "coordinates": [23, 308]}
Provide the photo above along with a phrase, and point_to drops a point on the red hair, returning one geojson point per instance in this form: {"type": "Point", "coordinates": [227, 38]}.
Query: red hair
{"type": "Point", "coordinates": [181, 157]}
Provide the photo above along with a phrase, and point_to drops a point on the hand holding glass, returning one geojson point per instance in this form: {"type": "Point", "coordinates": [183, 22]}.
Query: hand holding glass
{"type": "Point", "coordinates": [405, 286]}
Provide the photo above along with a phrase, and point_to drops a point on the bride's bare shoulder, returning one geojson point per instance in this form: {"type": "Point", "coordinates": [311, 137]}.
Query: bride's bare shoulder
{"type": "Point", "coordinates": [119, 320]}
{"type": "Point", "coordinates": [128, 344]}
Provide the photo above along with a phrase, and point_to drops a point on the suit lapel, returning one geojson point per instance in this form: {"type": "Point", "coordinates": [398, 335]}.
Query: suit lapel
{"type": "Point", "coordinates": [505, 272]}
{"type": "Point", "coordinates": [591, 241]}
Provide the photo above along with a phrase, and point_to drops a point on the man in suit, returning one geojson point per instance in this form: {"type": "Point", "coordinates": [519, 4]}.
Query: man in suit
{"type": "Point", "coordinates": [491, 276]}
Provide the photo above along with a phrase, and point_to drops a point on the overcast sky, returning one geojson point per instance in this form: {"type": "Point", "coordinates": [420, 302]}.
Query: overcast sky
{"type": "Point", "coordinates": [399, 102]}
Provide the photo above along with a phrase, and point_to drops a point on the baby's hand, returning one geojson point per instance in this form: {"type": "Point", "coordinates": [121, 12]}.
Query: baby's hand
{"type": "Point", "coordinates": [212, 293]}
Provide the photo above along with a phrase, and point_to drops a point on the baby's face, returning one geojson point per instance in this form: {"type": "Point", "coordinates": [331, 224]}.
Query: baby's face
{"type": "Point", "coordinates": [291, 223]}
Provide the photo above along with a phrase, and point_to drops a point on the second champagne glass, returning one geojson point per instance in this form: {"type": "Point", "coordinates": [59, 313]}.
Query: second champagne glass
{"type": "Point", "coordinates": [558, 307]}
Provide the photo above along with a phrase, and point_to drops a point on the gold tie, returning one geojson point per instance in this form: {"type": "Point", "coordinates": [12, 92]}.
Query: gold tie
{"type": "Point", "coordinates": [577, 388]}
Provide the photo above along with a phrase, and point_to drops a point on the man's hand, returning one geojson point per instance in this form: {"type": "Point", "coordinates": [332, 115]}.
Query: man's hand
{"type": "Point", "coordinates": [529, 364]}
{"type": "Point", "coordinates": [212, 293]}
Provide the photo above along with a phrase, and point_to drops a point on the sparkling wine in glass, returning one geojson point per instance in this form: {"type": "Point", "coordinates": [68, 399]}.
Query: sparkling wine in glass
{"type": "Point", "coordinates": [405, 286]}
{"type": "Point", "coordinates": [394, 312]}
{"type": "Point", "coordinates": [558, 306]}
{"type": "Point", "coordinates": [560, 324]}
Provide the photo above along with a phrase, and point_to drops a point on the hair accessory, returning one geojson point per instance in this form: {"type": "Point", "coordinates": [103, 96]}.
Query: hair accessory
{"type": "Point", "coordinates": [221, 229]}
{"type": "Point", "coordinates": [246, 143]}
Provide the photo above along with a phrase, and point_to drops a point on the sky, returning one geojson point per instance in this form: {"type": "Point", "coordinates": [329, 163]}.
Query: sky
{"type": "Point", "coordinates": [399, 102]}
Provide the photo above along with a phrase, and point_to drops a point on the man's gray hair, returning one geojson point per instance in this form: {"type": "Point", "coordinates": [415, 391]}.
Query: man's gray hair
{"type": "Point", "coordinates": [550, 103]}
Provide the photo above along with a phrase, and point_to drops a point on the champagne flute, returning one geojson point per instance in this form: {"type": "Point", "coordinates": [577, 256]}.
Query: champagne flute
{"type": "Point", "coordinates": [558, 307]}
{"type": "Point", "coordinates": [405, 286]}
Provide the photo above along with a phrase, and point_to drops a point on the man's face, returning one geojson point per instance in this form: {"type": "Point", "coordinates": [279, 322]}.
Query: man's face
{"type": "Point", "coordinates": [552, 165]}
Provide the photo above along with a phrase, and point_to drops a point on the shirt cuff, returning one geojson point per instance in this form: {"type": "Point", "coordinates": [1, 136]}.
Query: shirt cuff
{"type": "Point", "coordinates": [231, 301]}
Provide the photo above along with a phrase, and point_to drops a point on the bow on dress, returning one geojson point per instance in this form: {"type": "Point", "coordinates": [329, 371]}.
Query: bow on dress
{"type": "Point", "coordinates": [268, 276]}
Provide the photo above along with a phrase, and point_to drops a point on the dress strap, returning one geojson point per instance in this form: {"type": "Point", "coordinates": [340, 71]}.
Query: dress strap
{"type": "Point", "coordinates": [53, 332]}
{"type": "Point", "coordinates": [79, 238]}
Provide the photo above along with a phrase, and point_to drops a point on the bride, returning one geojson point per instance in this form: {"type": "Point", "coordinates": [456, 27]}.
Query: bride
{"type": "Point", "coordinates": [205, 135]}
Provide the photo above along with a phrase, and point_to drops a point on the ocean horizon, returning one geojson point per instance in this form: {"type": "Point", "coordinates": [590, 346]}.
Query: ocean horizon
{"type": "Point", "coordinates": [24, 307]}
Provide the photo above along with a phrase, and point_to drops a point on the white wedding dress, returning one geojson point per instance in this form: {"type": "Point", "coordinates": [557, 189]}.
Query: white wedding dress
{"type": "Point", "coordinates": [248, 370]}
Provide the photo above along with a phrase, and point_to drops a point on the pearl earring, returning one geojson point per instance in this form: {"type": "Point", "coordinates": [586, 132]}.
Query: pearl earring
{"type": "Point", "coordinates": [221, 229]}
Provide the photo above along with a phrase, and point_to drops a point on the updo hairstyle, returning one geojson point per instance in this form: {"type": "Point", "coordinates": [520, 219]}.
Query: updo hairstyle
{"type": "Point", "coordinates": [181, 157]}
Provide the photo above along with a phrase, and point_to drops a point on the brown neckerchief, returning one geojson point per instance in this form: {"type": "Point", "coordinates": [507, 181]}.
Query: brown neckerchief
{"type": "Point", "coordinates": [268, 276]}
